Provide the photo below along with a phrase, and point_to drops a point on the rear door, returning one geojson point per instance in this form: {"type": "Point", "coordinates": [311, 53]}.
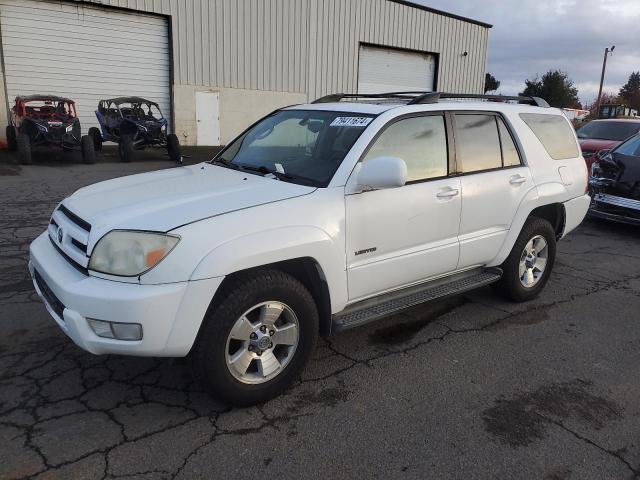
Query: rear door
{"type": "Point", "coordinates": [493, 182]}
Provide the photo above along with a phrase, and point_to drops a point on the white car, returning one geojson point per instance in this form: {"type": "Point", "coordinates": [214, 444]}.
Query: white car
{"type": "Point", "coordinates": [318, 218]}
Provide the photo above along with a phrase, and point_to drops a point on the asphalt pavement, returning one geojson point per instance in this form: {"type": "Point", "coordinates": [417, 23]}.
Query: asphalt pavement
{"type": "Point", "coordinates": [469, 387]}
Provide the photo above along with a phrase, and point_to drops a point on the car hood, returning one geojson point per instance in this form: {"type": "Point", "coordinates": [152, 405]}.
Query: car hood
{"type": "Point", "coordinates": [596, 144]}
{"type": "Point", "coordinates": [167, 199]}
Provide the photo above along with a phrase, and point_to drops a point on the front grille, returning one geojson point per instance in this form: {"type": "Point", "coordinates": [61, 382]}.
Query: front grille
{"type": "Point", "coordinates": [56, 305]}
{"type": "Point", "coordinates": [69, 234]}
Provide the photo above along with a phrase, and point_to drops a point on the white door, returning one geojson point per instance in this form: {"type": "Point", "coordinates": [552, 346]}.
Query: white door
{"type": "Point", "coordinates": [84, 52]}
{"type": "Point", "coordinates": [400, 236]}
{"type": "Point", "coordinates": [493, 185]}
{"type": "Point", "coordinates": [387, 70]}
{"type": "Point", "coordinates": [208, 118]}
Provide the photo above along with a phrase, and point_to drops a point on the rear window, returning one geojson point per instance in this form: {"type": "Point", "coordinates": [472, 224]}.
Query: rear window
{"type": "Point", "coordinates": [554, 132]}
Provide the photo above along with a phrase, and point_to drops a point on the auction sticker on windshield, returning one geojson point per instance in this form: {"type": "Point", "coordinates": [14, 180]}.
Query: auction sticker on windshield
{"type": "Point", "coordinates": [351, 121]}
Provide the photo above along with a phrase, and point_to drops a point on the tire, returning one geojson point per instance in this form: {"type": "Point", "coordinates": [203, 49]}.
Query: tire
{"type": "Point", "coordinates": [125, 148]}
{"type": "Point", "coordinates": [96, 136]}
{"type": "Point", "coordinates": [12, 144]}
{"type": "Point", "coordinates": [173, 148]}
{"type": "Point", "coordinates": [23, 143]}
{"type": "Point", "coordinates": [88, 151]}
{"type": "Point", "coordinates": [247, 295]}
{"type": "Point", "coordinates": [512, 285]}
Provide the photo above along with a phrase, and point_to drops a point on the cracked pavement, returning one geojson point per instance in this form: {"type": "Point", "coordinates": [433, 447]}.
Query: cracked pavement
{"type": "Point", "coordinates": [468, 387]}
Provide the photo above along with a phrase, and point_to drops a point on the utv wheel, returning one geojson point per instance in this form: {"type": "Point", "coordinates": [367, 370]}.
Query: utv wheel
{"type": "Point", "coordinates": [88, 152]}
{"type": "Point", "coordinates": [96, 136]}
{"type": "Point", "coordinates": [528, 266]}
{"type": "Point", "coordinates": [173, 148]}
{"type": "Point", "coordinates": [255, 341]}
{"type": "Point", "coordinates": [125, 148]}
{"type": "Point", "coordinates": [12, 144]}
{"type": "Point", "coordinates": [24, 149]}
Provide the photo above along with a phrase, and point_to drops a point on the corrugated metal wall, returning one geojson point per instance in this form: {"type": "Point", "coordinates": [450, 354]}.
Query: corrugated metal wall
{"type": "Point", "coordinates": [309, 45]}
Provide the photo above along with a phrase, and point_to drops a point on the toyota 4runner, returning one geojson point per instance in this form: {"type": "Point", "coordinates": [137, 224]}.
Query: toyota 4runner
{"type": "Point", "coordinates": [317, 218]}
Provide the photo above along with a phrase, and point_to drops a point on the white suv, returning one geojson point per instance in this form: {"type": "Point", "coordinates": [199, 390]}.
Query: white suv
{"type": "Point", "coordinates": [318, 218]}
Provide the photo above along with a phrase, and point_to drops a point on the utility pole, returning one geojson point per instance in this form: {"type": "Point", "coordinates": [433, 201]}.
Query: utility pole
{"type": "Point", "coordinates": [607, 51]}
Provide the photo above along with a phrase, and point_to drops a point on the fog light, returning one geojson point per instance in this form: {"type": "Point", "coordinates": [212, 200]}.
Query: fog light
{"type": "Point", "coordinates": [118, 331]}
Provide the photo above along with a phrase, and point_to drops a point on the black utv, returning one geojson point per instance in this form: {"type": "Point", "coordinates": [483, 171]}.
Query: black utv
{"type": "Point", "coordinates": [134, 123]}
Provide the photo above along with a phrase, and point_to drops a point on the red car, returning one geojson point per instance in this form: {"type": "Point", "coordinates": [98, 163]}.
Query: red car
{"type": "Point", "coordinates": [605, 135]}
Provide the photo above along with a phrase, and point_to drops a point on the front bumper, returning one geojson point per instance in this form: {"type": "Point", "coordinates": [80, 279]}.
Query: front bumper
{"type": "Point", "coordinates": [170, 314]}
{"type": "Point", "coordinates": [617, 209]}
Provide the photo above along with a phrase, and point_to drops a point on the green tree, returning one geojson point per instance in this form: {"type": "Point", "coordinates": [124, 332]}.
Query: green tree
{"type": "Point", "coordinates": [555, 87]}
{"type": "Point", "coordinates": [491, 84]}
{"type": "Point", "coordinates": [630, 91]}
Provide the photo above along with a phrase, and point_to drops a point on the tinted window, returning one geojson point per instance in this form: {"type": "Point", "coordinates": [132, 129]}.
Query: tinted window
{"type": "Point", "coordinates": [631, 147]}
{"type": "Point", "coordinates": [554, 132]}
{"type": "Point", "coordinates": [509, 152]}
{"type": "Point", "coordinates": [477, 143]}
{"type": "Point", "coordinates": [609, 130]}
{"type": "Point", "coordinates": [420, 141]}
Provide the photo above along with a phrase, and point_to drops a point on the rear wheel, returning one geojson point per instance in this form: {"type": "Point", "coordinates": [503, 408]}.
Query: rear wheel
{"type": "Point", "coordinates": [528, 266]}
{"type": "Point", "coordinates": [12, 144]}
{"type": "Point", "coordinates": [96, 136]}
{"type": "Point", "coordinates": [23, 143]}
{"type": "Point", "coordinates": [88, 151]}
{"type": "Point", "coordinates": [173, 148]}
{"type": "Point", "coordinates": [125, 148]}
{"type": "Point", "coordinates": [257, 339]}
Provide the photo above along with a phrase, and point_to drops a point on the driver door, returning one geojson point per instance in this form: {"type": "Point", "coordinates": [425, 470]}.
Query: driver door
{"type": "Point", "coordinates": [401, 236]}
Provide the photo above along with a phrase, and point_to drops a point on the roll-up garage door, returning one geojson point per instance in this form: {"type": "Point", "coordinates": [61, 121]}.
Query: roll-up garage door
{"type": "Point", "coordinates": [85, 53]}
{"type": "Point", "coordinates": [389, 70]}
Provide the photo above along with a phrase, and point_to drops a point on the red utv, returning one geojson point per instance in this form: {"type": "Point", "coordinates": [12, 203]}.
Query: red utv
{"type": "Point", "coordinates": [46, 120]}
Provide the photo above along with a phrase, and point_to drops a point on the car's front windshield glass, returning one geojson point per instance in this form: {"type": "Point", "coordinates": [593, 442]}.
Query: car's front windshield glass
{"type": "Point", "coordinates": [608, 130]}
{"type": "Point", "coordinates": [300, 146]}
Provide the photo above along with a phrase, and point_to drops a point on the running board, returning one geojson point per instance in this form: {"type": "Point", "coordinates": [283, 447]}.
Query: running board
{"type": "Point", "coordinates": [387, 304]}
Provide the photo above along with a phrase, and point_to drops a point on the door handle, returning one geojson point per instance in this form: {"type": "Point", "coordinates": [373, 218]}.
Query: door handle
{"type": "Point", "coordinates": [517, 180]}
{"type": "Point", "coordinates": [448, 192]}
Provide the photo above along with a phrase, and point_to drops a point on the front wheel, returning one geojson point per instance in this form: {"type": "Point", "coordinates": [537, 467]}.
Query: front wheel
{"type": "Point", "coordinates": [12, 144]}
{"type": "Point", "coordinates": [125, 148]}
{"type": "Point", "coordinates": [96, 136]}
{"type": "Point", "coordinates": [257, 338]}
{"type": "Point", "coordinates": [24, 148]}
{"type": "Point", "coordinates": [528, 266]}
{"type": "Point", "coordinates": [88, 152]}
{"type": "Point", "coordinates": [173, 148]}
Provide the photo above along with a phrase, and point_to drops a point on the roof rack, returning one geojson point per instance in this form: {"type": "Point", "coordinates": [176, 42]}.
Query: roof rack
{"type": "Point", "coordinates": [416, 98]}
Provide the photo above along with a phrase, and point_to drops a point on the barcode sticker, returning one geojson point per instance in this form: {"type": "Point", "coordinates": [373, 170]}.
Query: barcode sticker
{"type": "Point", "coordinates": [351, 121]}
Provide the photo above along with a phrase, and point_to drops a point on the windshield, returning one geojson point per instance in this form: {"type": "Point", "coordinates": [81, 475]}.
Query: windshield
{"type": "Point", "coordinates": [299, 146]}
{"type": "Point", "coordinates": [608, 130]}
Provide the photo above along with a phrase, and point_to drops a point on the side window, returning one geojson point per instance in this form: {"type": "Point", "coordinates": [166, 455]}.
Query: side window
{"type": "Point", "coordinates": [554, 132]}
{"type": "Point", "coordinates": [420, 141]}
{"type": "Point", "coordinates": [510, 155]}
{"type": "Point", "coordinates": [630, 147]}
{"type": "Point", "coordinates": [477, 143]}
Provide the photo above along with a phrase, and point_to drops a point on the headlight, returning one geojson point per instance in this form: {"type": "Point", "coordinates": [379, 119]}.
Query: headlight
{"type": "Point", "coordinates": [69, 128]}
{"type": "Point", "coordinates": [595, 169]}
{"type": "Point", "coordinates": [130, 253]}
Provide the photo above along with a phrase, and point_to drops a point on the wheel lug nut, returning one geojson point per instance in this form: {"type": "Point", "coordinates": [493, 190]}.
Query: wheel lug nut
{"type": "Point", "coordinates": [253, 336]}
{"type": "Point", "coordinates": [250, 348]}
{"type": "Point", "coordinates": [271, 345]}
{"type": "Point", "coordinates": [259, 353]}
{"type": "Point", "coordinates": [272, 333]}
{"type": "Point", "coordinates": [263, 329]}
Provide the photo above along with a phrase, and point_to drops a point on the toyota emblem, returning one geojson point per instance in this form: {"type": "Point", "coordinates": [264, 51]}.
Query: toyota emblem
{"type": "Point", "coordinates": [59, 235]}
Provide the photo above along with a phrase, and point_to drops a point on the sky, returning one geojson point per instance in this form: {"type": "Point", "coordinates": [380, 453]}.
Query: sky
{"type": "Point", "coordinates": [530, 37]}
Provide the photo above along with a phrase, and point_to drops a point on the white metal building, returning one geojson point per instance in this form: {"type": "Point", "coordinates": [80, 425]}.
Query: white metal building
{"type": "Point", "coordinates": [215, 66]}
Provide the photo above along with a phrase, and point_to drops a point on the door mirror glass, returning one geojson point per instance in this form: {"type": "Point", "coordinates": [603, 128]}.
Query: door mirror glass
{"type": "Point", "coordinates": [383, 172]}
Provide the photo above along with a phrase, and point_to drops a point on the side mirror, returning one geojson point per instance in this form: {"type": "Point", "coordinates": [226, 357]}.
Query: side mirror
{"type": "Point", "coordinates": [382, 172]}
